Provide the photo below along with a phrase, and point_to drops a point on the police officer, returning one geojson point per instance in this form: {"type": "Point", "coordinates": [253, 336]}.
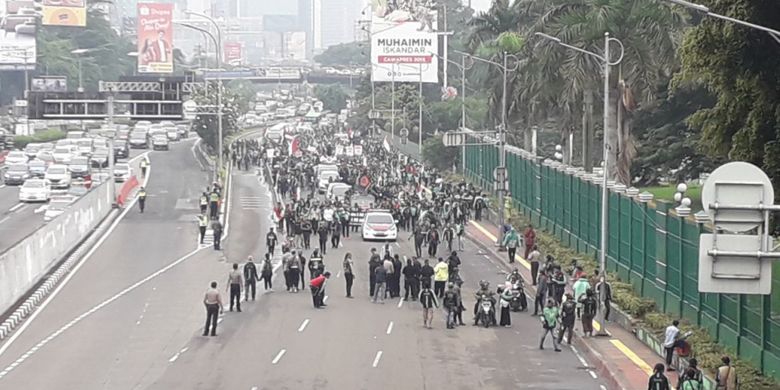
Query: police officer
{"type": "Point", "coordinates": [203, 222]}
{"type": "Point", "coordinates": [144, 166]}
{"type": "Point", "coordinates": [214, 203]}
{"type": "Point", "coordinates": [142, 199]}
{"type": "Point", "coordinates": [250, 278]}
{"type": "Point", "coordinates": [204, 203]}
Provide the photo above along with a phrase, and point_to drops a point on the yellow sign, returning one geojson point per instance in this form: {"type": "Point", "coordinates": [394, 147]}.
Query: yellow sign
{"type": "Point", "coordinates": [65, 13]}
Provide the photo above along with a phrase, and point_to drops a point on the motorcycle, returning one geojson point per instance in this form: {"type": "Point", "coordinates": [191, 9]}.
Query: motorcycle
{"type": "Point", "coordinates": [518, 301]}
{"type": "Point", "coordinates": [486, 313]}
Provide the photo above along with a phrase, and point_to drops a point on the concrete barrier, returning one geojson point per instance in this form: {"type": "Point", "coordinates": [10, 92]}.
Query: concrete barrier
{"type": "Point", "coordinates": [24, 264]}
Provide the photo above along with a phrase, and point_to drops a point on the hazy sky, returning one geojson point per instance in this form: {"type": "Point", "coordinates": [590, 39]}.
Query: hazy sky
{"type": "Point", "coordinates": [480, 5]}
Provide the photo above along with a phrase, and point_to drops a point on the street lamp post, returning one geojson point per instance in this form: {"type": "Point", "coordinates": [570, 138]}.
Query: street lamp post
{"type": "Point", "coordinates": [79, 52]}
{"type": "Point", "coordinates": [704, 9]}
{"type": "Point", "coordinates": [501, 132]}
{"type": "Point", "coordinates": [219, 94]}
{"type": "Point", "coordinates": [463, 69]}
{"type": "Point", "coordinates": [605, 59]}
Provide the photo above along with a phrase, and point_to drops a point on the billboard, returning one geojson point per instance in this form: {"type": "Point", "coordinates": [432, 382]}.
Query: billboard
{"type": "Point", "coordinates": [402, 42]}
{"type": "Point", "coordinates": [49, 84]}
{"type": "Point", "coordinates": [232, 52]}
{"type": "Point", "coordinates": [17, 41]}
{"type": "Point", "coordinates": [155, 38]}
{"type": "Point", "coordinates": [64, 13]}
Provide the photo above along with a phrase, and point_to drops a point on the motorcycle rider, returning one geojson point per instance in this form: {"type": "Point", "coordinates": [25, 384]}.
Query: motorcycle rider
{"type": "Point", "coordinates": [484, 292]}
{"type": "Point", "coordinates": [514, 277]}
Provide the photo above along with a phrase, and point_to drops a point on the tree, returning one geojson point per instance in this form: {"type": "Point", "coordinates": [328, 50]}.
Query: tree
{"type": "Point", "coordinates": [333, 96]}
{"type": "Point", "coordinates": [740, 66]}
{"type": "Point", "coordinates": [344, 54]}
{"type": "Point", "coordinates": [439, 156]}
{"type": "Point", "coordinates": [234, 103]}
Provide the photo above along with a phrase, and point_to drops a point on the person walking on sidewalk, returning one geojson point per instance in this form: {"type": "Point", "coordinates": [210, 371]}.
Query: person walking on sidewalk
{"type": "Point", "coordinates": [580, 287]}
{"type": "Point", "coordinates": [511, 242]}
{"type": "Point", "coordinates": [349, 275]}
{"type": "Point", "coordinates": [214, 204]}
{"type": "Point", "coordinates": [549, 321]}
{"type": "Point", "coordinates": [235, 281]}
{"type": "Point", "coordinates": [429, 303]}
{"type": "Point", "coordinates": [433, 241]}
{"type": "Point", "coordinates": [250, 278]}
{"type": "Point", "coordinates": [658, 380]}
{"type": "Point", "coordinates": [529, 239]}
{"type": "Point", "coordinates": [568, 316]}
{"type": "Point", "coordinates": [271, 240]}
{"type": "Point", "coordinates": [671, 341]}
{"type": "Point", "coordinates": [726, 376]}
{"type": "Point", "coordinates": [693, 374]}
{"type": "Point", "coordinates": [534, 258]}
{"type": "Point", "coordinates": [441, 277]}
{"type": "Point", "coordinates": [607, 298]}
{"type": "Point", "coordinates": [213, 302]}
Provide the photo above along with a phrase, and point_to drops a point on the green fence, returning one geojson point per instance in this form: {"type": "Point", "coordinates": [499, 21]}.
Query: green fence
{"type": "Point", "coordinates": [649, 246]}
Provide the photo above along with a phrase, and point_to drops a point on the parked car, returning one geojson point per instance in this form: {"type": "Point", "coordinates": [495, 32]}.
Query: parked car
{"type": "Point", "coordinates": [31, 150]}
{"type": "Point", "coordinates": [35, 190]}
{"type": "Point", "coordinates": [160, 142]}
{"type": "Point", "coordinates": [100, 158]}
{"type": "Point", "coordinates": [79, 166]}
{"type": "Point", "coordinates": [16, 157]}
{"type": "Point", "coordinates": [16, 174]}
{"type": "Point", "coordinates": [57, 206]}
{"type": "Point", "coordinates": [58, 175]}
{"type": "Point", "coordinates": [379, 225]}
{"type": "Point", "coordinates": [63, 154]}
{"type": "Point", "coordinates": [122, 172]}
{"type": "Point", "coordinates": [138, 140]}
{"type": "Point", "coordinates": [79, 187]}
{"type": "Point", "coordinates": [173, 135]}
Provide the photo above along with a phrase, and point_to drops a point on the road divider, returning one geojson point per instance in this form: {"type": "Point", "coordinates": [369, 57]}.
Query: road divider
{"type": "Point", "coordinates": [126, 190]}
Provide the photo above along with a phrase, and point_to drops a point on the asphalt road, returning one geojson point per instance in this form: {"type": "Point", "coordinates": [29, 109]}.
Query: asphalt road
{"type": "Point", "coordinates": [17, 219]}
{"type": "Point", "coordinates": [132, 316]}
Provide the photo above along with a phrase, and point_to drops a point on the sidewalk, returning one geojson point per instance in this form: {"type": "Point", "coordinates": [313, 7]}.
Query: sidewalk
{"type": "Point", "coordinates": [620, 359]}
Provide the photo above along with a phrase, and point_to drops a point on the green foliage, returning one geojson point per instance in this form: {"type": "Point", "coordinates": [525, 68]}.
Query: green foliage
{"type": "Point", "coordinates": [439, 156]}
{"type": "Point", "coordinates": [20, 141]}
{"type": "Point", "coordinates": [234, 103]}
{"type": "Point", "coordinates": [107, 59]}
{"type": "Point", "coordinates": [344, 54]}
{"type": "Point", "coordinates": [333, 96]}
{"type": "Point", "coordinates": [735, 64]}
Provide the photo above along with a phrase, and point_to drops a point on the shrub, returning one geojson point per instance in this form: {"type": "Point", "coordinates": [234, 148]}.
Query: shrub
{"type": "Point", "coordinates": [20, 141]}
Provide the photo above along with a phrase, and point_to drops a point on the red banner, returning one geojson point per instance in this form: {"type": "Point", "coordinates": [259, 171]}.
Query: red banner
{"type": "Point", "coordinates": [233, 52]}
{"type": "Point", "coordinates": [126, 190]}
{"type": "Point", "coordinates": [155, 38]}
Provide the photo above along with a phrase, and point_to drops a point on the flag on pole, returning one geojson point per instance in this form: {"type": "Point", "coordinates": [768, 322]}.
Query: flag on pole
{"type": "Point", "coordinates": [386, 144]}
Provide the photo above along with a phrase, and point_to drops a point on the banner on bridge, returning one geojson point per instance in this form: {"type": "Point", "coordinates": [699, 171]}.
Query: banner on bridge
{"type": "Point", "coordinates": [403, 43]}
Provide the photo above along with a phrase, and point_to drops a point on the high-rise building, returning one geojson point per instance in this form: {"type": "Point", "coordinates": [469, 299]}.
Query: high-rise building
{"type": "Point", "coordinates": [337, 21]}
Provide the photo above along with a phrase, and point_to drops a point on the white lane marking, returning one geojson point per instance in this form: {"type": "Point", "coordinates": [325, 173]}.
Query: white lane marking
{"type": "Point", "coordinates": [592, 374]}
{"type": "Point", "coordinates": [397, 244]}
{"type": "Point", "coordinates": [577, 353]}
{"type": "Point", "coordinates": [303, 325]}
{"type": "Point", "coordinates": [5, 219]}
{"type": "Point", "coordinates": [93, 309]}
{"type": "Point", "coordinates": [253, 388]}
{"type": "Point", "coordinates": [603, 387]}
{"type": "Point", "coordinates": [325, 299]}
{"type": "Point", "coordinates": [338, 274]}
{"type": "Point", "coordinates": [400, 303]}
{"type": "Point", "coordinates": [390, 327]}
{"type": "Point", "coordinates": [17, 207]}
{"type": "Point", "coordinates": [376, 359]}
{"type": "Point", "coordinates": [278, 356]}
{"type": "Point", "coordinates": [65, 281]}
{"type": "Point", "coordinates": [2, 186]}
{"type": "Point", "coordinates": [173, 358]}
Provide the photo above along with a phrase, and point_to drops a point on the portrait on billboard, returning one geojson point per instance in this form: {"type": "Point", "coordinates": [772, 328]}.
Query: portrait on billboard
{"type": "Point", "coordinates": [155, 38]}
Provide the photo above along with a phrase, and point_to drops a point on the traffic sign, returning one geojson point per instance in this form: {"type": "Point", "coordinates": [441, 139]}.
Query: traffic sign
{"type": "Point", "coordinates": [373, 114]}
{"type": "Point", "coordinates": [454, 138]}
{"type": "Point", "coordinates": [727, 274]}
{"type": "Point", "coordinates": [404, 132]}
{"type": "Point", "coordinates": [499, 174]}
{"type": "Point", "coordinates": [737, 183]}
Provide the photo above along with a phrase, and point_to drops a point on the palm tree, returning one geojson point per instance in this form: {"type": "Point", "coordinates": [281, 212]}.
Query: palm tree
{"type": "Point", "coordinates": [648, 31]}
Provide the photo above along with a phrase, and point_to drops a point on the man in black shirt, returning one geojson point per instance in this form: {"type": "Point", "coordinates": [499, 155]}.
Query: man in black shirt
{"type": "Point", "coordinates": [250, 278]}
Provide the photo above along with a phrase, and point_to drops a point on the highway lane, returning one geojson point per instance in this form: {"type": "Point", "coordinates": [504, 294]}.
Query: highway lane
{"type": "Point", "coordinates": [18, 220]}
{"type": "Point", "coordinates": [103, 328]}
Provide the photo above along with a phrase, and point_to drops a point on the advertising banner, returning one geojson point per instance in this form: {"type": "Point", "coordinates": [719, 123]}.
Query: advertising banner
{"type": "Point", "coordinates": [65, 13]}
{"type": "Point", "coordinates": [403, 40]}
{"type": "Point", "coordinates": [17, 40]}
{"type": "Point", "coordinates": [49, 84]}
{"type": "Point", "coordinates": [233, 52]}
{"type": "Point", "coordinates": [155, 38]}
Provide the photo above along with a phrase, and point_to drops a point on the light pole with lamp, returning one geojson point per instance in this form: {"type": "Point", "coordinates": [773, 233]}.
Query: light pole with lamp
{"type": "Point", "coordinates": [605, 59]}
{"type": "Point", "coordinates": [463, 68]}
{"type": "Point", "coordinates": [219, 94]}
{"type": "Point", "coordinates": [79, 53]}
{"type": "Point", "coordinates": [217, 41]}
{"type": "Point", "coordinates": [704, 9]}
{"type": "Point", "coordinates": [501, 134]}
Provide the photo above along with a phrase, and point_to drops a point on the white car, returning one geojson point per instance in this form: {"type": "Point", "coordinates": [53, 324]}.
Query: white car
{"type": "Point", "coordinates": [16, 157]}
{"type": "Point", "coordinates": [337, 191]}
{"type": "Point", "coordinates": [58, 175]}
{"type": "Point", "coordinates": [35, 190]}
{"type": "Point", "coordinates": [122, 172]}
{"type": "Point", "coordinates": [379, 225]}
{"type": "Point", "coordinates": [57, 206]}
{"type": "Point", "coordinates": [160, 142]}
{"type": "Point", "coordinates": [63, 154]}
{"type": "Point", "coordinates": [326, 178]}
